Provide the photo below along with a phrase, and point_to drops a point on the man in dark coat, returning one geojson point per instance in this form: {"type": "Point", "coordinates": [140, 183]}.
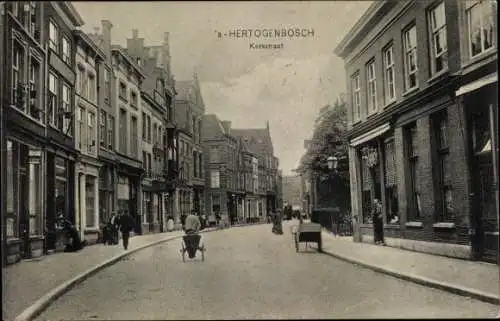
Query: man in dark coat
{"type": "Point", "coordinates": [126, 225]}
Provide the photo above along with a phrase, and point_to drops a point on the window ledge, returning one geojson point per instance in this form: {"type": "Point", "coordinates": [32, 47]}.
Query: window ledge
{"type": "Point", "coordinates": [480, 57]}
{"type": "Point", "coordinates": [39, 122]}
{"type": "Point", "coordinates": [37, 237]}
{"type": "Point", "coordinates": [410, 91]}
{"type": "Point", "coordinates": [390, 103]}
{"type": "Point", "coordinates": [13, 240]}
{"type": "Point", "coordinates": [91, 229]}
{"type": "Point", "coordinates": [437, 76]}
{"type": "Point", "coordinates": [392, 226]}
{"type": "Point", "coordinates": [414, 224]}
{"type": "Point", "coordinates": [445, 225]}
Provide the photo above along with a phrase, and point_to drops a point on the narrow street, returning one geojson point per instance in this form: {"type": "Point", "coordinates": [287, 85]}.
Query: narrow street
{"type": "Point", "coordinates": [251, 273]}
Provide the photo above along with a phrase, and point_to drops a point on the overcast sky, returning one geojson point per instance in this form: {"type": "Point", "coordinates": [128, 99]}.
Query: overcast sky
{"type": "Point", "coordinates": [246, 86]}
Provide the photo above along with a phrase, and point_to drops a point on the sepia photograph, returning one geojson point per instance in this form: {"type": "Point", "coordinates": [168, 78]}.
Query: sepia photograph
{"type": "Point", "coordinates": [230, 160]}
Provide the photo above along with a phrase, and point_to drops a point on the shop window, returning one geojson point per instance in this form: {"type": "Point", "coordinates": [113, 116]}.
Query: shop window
{"type": "Point", "coordinates": [35, 190]}
{"type": "Point", "coordinates": [90, 201]}
{"type": "Point", "coordinates": [61, 186]}
{"type": "Point", "coordinates": [391, 191]}
{"type": "Point", "coordinates": [11, 188]}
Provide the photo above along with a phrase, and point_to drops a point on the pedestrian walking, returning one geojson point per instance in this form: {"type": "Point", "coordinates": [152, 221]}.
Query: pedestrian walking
{"type": "Point", "coordinates": [277, 222]}
{"type": "Point", "coordinates": [126, 225]}
{"type": "Point", "coordinates": [378, 222]}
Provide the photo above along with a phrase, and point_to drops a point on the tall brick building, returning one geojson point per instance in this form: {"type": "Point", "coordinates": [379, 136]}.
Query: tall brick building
{"type": "Point", "coordinates": [409, 134]}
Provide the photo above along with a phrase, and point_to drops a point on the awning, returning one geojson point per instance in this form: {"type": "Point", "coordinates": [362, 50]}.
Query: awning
{"type": "Point", "coordinates": [491, 78]}
{"type": "Point", "coordinates": [370, 135]}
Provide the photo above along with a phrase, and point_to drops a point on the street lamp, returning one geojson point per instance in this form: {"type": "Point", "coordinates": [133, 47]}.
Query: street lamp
{"type": "Point", "coordinates": [332, 162]}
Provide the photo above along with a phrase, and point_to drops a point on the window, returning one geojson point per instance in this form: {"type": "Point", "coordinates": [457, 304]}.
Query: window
{"type": "Point", "coordinates": [107, 87]}
{"type": "Point", "coordinates": [154, 133]}
{"type": "Point", "coordinates": [90, 196]}
{"type": "Point", "coordinates": [31, 23]}
{"type": "Point", "coordinates": [144, 127]}
{"type": "Point", "coordinates": [195, 163]}
{"type": "Point", "coordinates": [122, 134]}
{"type": "Point", "coordinates": [391, 191]}
{"type": "Point", "coordinates": [53, 101]}
{"type": "Point", "coordinates": [53, 37]}
{"type": "Point", "coordinates": [390, 90]}
{"type": "Point", "coordinates": [410, 57]}
{"type": "Point", "coordinates": [92, 88]}
{"type": "Point", "coordinates": [144, 159]}
{"type": "Point", "coordinates": [123, 90]}
{"type": "Point", "coordinates": [149, 163]}
{"type": "Point", "coordinates": [18, 76]}
{"type": "Point", "coordinates": [34, 89]}
{"type": "Point", "coordinates": [66, 107]}
{"type": "Point", "coordinates": [372, 87]}
{"type": "Point", "coordinates": [102, 129]}
{"type": "Point", "coordinates": [356, 98]}
{"type": "Point", "coordinates": [134, 137]}
{"type": "Point", "coordinates": [91, 132]}
{"type": "Point", "coordinates": [215, 179]}
{"type": "Point", "coordinates": [439, 52]}
{"type": "Point", "coordinates": [444, 212]}
{"type": "Point", "coordinates": [82, 82]}
{"type": "Point", "coordinates": [80, 127]}
{"type": "Point", "coordinates": [133, 99]}
{"type": "Point", "coordinates": [66, 50]}
{"type": "Point", "coordinates": [149, 129]}
{"type": "Point", "coordinates": [410, 133]}
{"type": "Point", "coordinates": [480, 19]}
{"type": "Point", "coordinates": [111, 132]}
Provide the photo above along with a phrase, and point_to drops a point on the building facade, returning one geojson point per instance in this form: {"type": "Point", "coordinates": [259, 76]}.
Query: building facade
{"type": "Point", "coordinates": [406, 130]}
{"type": "Point", "coordinates": [24, 127]}
{"type": "Point", "coordinates": [158, 131]}
{"type": "Point", "coordinates": [88, 60]}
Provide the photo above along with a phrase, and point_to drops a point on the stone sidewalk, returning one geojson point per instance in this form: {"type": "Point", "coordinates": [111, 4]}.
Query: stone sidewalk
{"type": "Point", "coordinates": [477, 279]}
{"type": "Point", "coordinates": [27, 281]}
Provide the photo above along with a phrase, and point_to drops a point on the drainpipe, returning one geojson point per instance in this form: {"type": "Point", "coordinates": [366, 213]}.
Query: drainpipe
{"type": "Point", "coordinates": [3, 182]}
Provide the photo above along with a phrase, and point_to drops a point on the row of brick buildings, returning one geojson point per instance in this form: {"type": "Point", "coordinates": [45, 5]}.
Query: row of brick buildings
{"type": "Point", "coordinates": [89, 128]}
{"type": "Point", "coordinates": [243, 180]}
{"type": "Point", "coordinates": [422, 78]}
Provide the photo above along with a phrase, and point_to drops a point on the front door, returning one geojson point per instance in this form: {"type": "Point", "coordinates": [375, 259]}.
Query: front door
{"type": "Point", "coordinates": [24, 218]}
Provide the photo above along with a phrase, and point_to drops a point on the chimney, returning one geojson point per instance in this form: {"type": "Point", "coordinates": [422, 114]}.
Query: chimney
{"type": "Point", "coordinates": [227, 126]}
{"type": "Point", "coordinates": [106, 37]}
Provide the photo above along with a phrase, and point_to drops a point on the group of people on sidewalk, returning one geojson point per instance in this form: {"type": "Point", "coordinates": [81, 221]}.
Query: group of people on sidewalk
{"type": "Point", "coordinates": [122, 222]}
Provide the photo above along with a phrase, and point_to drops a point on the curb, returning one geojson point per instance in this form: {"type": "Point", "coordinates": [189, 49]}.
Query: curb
{"type": "Point", "coordinates": [42, 303]}
{"type": "Point", "coordinates": [452, 288]}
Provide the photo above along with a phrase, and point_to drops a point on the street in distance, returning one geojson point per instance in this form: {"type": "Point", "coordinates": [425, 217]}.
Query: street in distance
{"type": "Point", "coordinates": [266, 46]}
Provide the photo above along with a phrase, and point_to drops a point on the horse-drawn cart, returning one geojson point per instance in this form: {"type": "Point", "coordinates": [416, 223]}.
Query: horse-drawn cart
{"type": "Point", "coordinates": [307, 233]}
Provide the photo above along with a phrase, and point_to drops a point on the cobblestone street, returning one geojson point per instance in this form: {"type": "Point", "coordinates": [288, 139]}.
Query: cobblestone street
{"type": "Point", "coordinates": [251, 273]}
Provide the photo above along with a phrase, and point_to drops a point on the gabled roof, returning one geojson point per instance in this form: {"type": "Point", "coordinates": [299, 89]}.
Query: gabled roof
{"type": "Point", "coordinates": [257, 140]}
{"type": "Point", "coordinates": [184, 88]}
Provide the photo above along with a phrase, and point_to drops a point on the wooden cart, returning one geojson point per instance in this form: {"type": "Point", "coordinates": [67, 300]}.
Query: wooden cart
{"type": "Point", "coordinates": [308, 233]}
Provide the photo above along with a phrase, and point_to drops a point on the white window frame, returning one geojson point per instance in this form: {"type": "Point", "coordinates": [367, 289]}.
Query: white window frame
{"type": "Point", "coordinates": [80, 130]}
{"type": "Point", "coordinates": [102, 128]}
{"type": "Point", "coordinates": [18, 58]}
{"type": "Point", "coordinates": [371, 77]}
{"type": "Point", "coordinates": [389, 67]}
{"type": "Point", "coordinates": [435, 31]}
{"type": "Point", "coordinates": [474, 4]}
{"type": "Point", "coordinates": [214, 178]}
{"type": "Point", "coordinates": [66, 106]}
{"type": "Point", "coordinates": [53, 36]}
{"type": "Point", "coordinates": [66, 50]}
{"type": "Point", "coordinates": [356, 97]}
{"type": "Point", "coordinates": [110, 131]}
{"type": "Point", "coordinates": [91, 87]}
{"type": "Point", "coordinates": [54, 90]}
{"type": "Point", "coordinates": [91, 122]}
{"type": "Point", "coordinates": [34, 84]}
{"type": "Point", "coordinates": [410, 51]}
